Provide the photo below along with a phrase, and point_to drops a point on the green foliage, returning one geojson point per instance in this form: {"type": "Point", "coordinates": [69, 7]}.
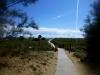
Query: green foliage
{"type": "Point", "coordinates": [43, 38]}
{"type": "Point", "coordinates": [91, 33]}
{"type": "Point", "coordinates": [39, 37]}
{"type": "Point", "coordinates": [21, 38]}
{"type": "Point", "coordinates": [8, 14]}
{"type": "Point", "coordinates": [66, 42]}
{"type": "Point", "coordinates": [16, 47]}
{"type": "Point", "coordinates": [77, 46]}
{"type": "Point", "coordinates": [79, 53]}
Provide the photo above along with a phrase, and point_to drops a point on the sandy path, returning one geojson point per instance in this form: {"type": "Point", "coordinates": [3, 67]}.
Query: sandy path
{"type": "Point", "coordinates": [65, 65]}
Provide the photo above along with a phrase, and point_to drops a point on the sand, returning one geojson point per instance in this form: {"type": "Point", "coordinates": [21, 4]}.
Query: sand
{"type": "Point", "coordinates": [35, 63]}
{"type": "Point", "coordinates": [82, 68]}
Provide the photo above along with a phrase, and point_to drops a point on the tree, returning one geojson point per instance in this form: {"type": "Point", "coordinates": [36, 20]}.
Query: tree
{"type": "Point", "coordinates": [39, 37]}
{"type": "Point", "coordinates": [8, 15]}
{"type": "Point", "coordinates": [91, 30]}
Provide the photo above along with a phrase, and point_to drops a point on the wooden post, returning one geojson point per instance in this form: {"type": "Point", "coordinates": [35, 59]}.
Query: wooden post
{"type": "Point", "coordinates": [69, 48]}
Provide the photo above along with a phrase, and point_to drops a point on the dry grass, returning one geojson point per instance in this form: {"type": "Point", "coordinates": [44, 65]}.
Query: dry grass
{"type": "Point", "coordinates": [34, 63]}
{"type": "Point", "coordinates": [27, 57]}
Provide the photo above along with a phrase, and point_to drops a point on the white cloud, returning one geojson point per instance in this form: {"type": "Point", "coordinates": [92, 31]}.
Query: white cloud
{"type": "Point", "coordinates": [58, 30]}
{"type": "Point", "coordinates": [58, 17]}
{"type": "Point", "coordinates": [54, 32]}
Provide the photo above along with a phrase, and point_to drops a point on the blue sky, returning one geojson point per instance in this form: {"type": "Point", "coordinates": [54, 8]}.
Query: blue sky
{"type": "Point", "coordinates": [58, 17]}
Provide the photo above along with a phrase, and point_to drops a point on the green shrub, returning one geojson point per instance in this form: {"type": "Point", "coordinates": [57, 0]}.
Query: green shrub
{"type": "Point", "coordinates": [80, 54]}
{"type": "Point", "coordinates": [17, 46]}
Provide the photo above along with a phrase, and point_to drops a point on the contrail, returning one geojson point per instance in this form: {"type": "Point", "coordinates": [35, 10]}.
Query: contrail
{"type": "Point", "coordinates": [77, 13]}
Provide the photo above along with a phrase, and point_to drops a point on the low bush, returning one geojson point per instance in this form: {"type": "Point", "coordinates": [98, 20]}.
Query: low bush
{"type": "Point", "coordinates": [16, 46]}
